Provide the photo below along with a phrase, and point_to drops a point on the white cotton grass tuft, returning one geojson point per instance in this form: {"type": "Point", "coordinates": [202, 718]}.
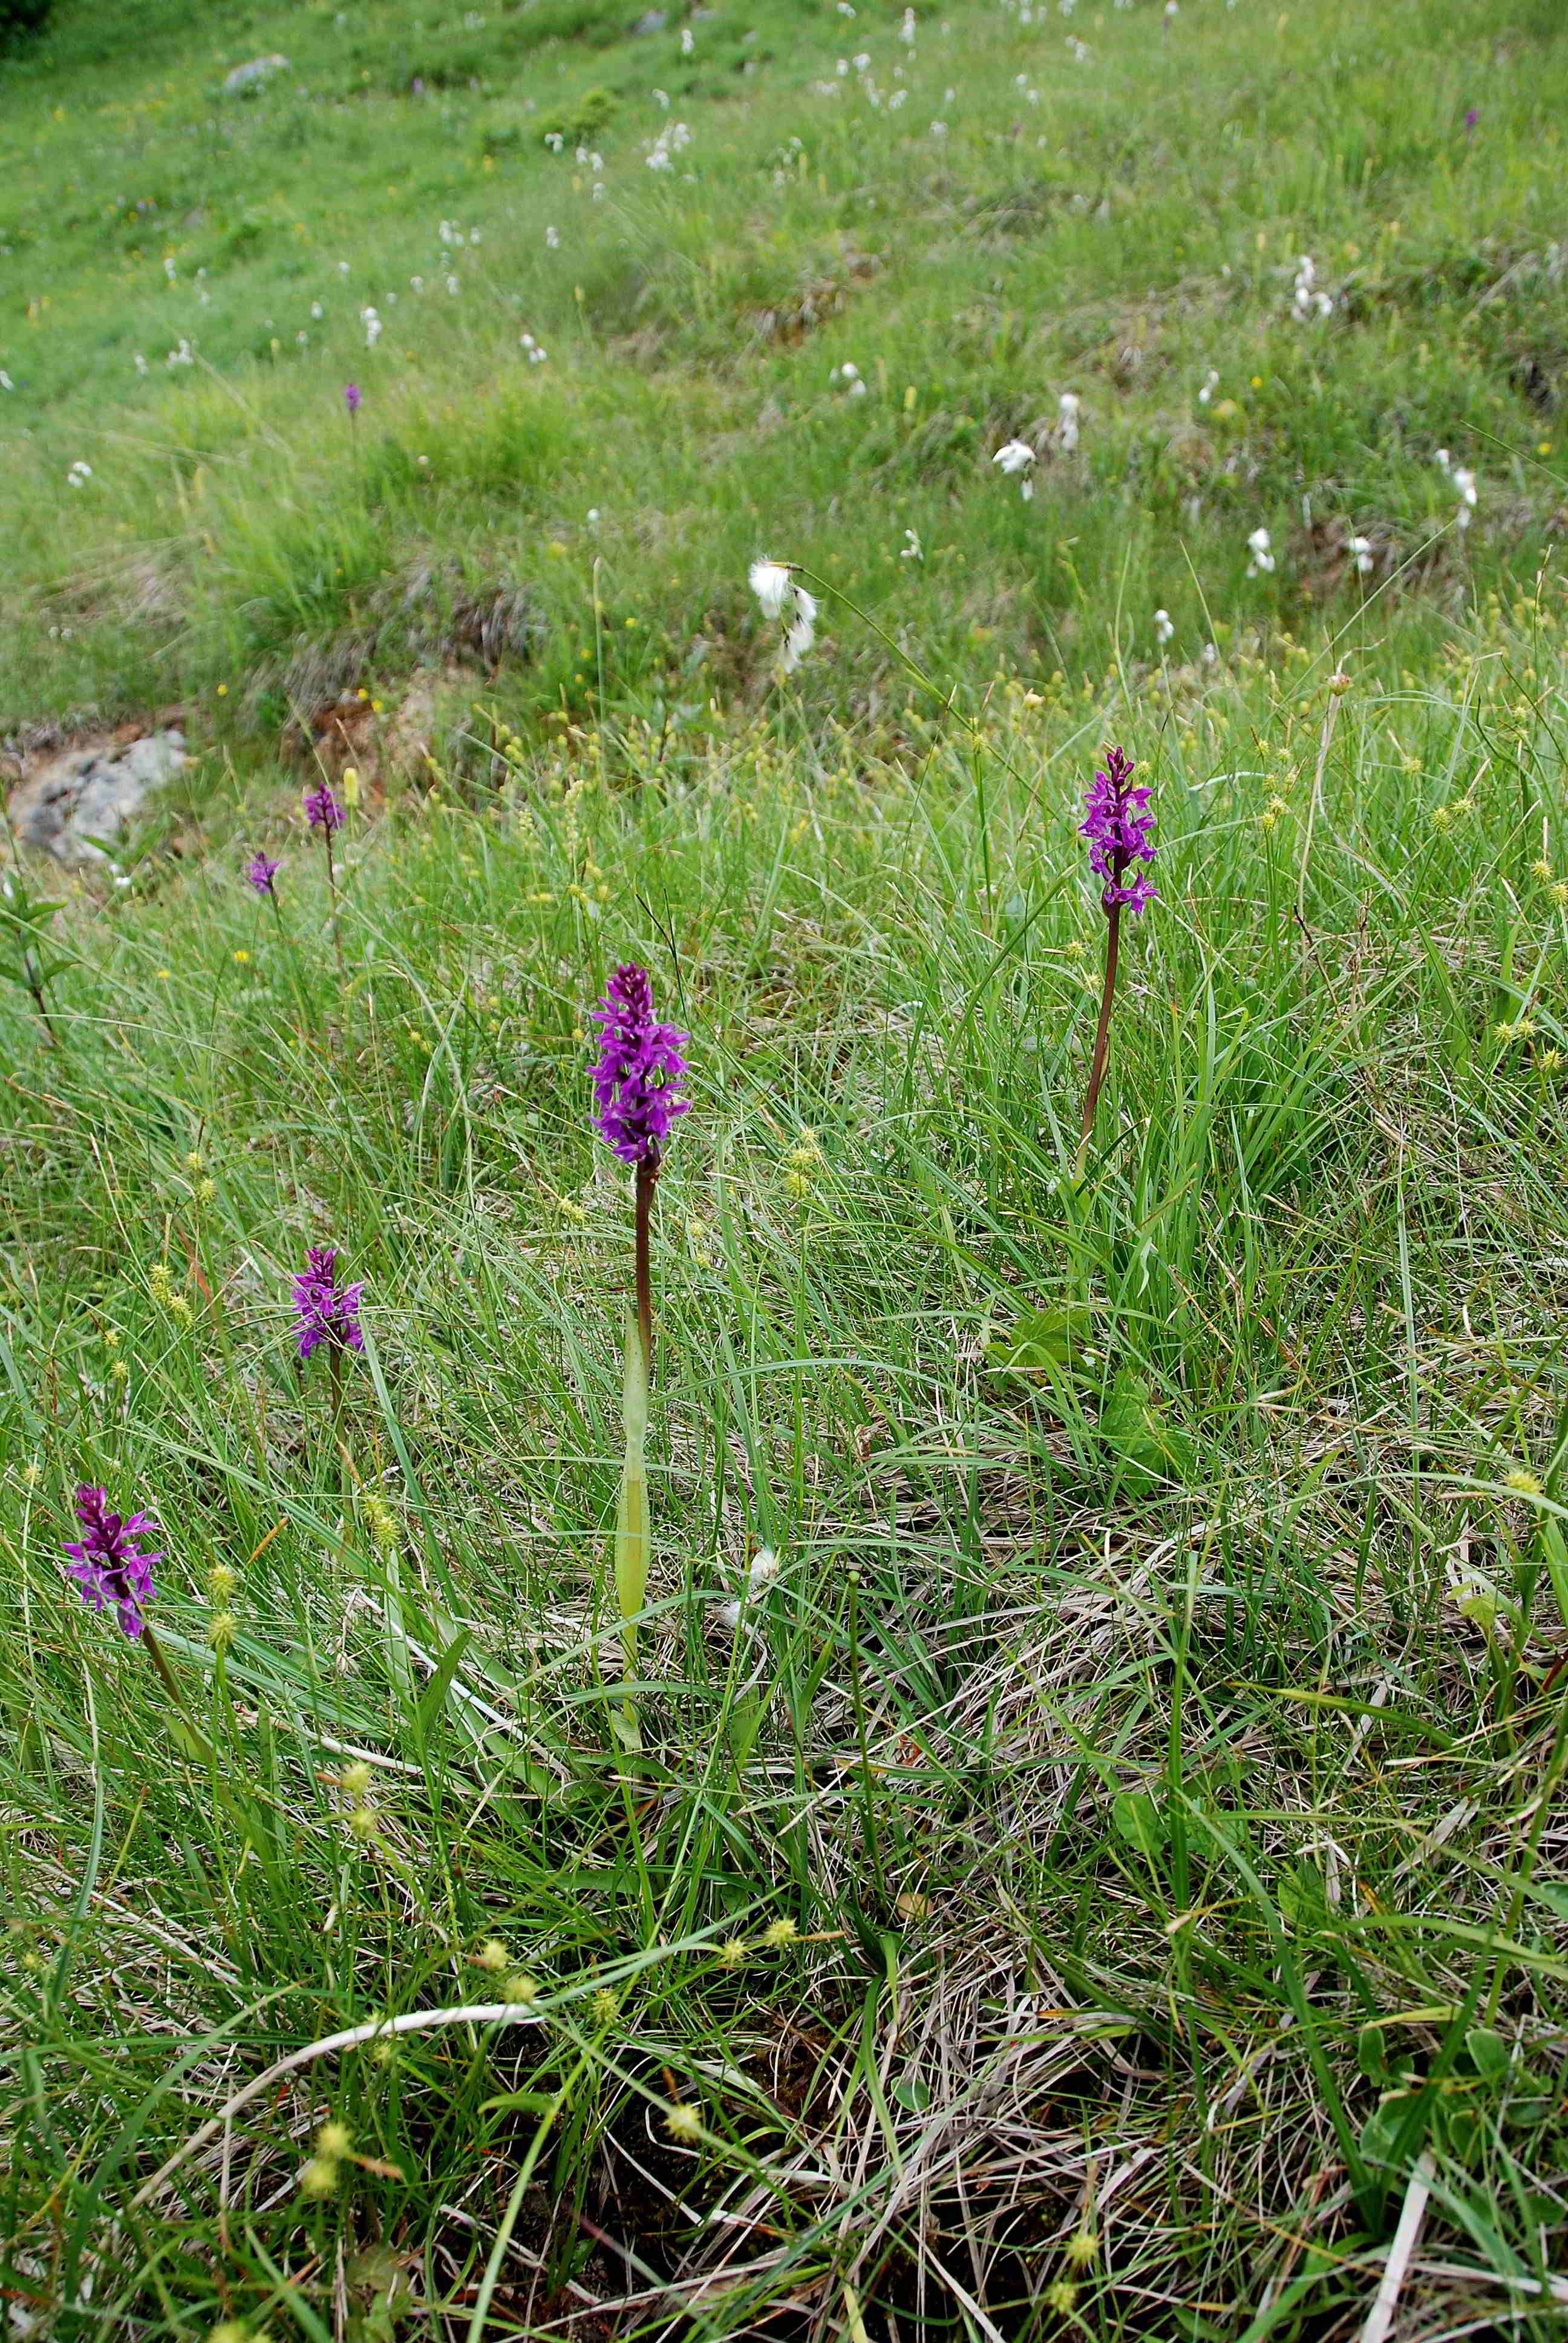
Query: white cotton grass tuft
{"type": "Point", "coordinates": [1016, 457]}
{"type": "Point", "coordinates": [802, 632]}
{"type": "Point", "coordinates": [1260, 547]}
{"type": "Point", "coordinates": [1307, 299]}
{"type": "Point", "coordinates": [771, 583]}
{"type": "Point", "coordinates": [788, 605]}
{"type": "Point", "coordinates": [1068, 410]}
{"type": "Point", "coordinates": [1164, 628]}
{"type": "Point", "coordinates": [761, 1573]}
{"type": "Point", "coordinates": [1464, 481]}
{"type": "Point", "coordinates": [911, 549]}
{"type": "Point", "coordinates": [1359, 550]}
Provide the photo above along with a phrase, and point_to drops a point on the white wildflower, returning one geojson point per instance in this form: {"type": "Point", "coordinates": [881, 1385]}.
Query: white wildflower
{"type": "Point", "coordinates": [79, 474]}
{"type": "Point", "coordinates": [913, 549]}
{"type": "Point", "coordinates": [1464, 481]}
{"type": "Point", "coordinates": [1359, 550]}
{"type": "Point", "coordinates": [372, 325]}
{"type": "Point", "coordinates": [553, 238]}
{"type": "Point", "coordinates": [907, 29]}
{"type": "Point", "coordinates": [1069, 409]}
{"type": "Point", "coordinates": [765, 1568]}
{"type": "Point", "coordinates": [1164, 628]}
{"type": "Point", "coordinates": [1261, 552]}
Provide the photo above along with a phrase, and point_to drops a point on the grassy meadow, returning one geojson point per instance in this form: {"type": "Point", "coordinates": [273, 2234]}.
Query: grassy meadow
{"type": "Point", "coordinates": [1092, 1859]}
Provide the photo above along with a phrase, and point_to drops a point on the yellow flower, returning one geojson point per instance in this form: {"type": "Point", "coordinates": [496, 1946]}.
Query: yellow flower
{"type": "Point", "coordinates": [243, 957]}
{"type": "Point", "coordinates": [318, 2177]}
{"type": "Point", "coordinates": [362, 1822]}
{"type": "Point", "coordinates": [1548, 1061]}
{"type": "Point", "coordinates": [222, 1579]}
{"type": "Point", "coordinates": [521, 1992]}
{"type": "Point", "coordinates": [780, 1932]}
{"type": "Point", "coordinates": [350, 786]}
{"type": "Point", "coordinates": [119, 1370]}
{"type": "Point", "coordinates": [1524, 1483]}
{"type": "Point", "coordinates": [206, 1190]}
{"type": "Point", "coordinates": [220, 1630]}
{"type": "Point", "coordinates": [492, 1955]}
{"type": "Point", "coordinates": [732, 1953]}
{"type": "Point", "coordinates": [1061, 2296]}
{"type": "Point", "coordinates": [1542, 870]}
{"type": "Point", "coordinates": [357, 1780]}
{"type": "Point", "coordinates": [1560, 893]}
{"type": "Point", "coordinates": [195, 1162]}
{"type": "Point", "coordinates": [683, 2122]}
{"type": "Point", "coordinates": [605, 2005]}
{"type": "Point", "coordinates": [333, 2140]}
{"type": "Point", "coordinates": [1082, 2247]}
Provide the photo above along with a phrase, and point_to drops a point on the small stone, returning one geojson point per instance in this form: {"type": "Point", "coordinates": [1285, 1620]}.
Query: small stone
{"type": "Point", "coordinates": [72, 804]}
{"type": "Point", "coordinates": [246, 79]}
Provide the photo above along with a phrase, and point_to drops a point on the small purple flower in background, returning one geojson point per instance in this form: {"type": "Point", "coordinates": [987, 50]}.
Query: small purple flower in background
{"type": "Point", "coordinates": [1117, 827]}
{"type": "Point", "coordinates": [639, 1068]}
{"type": "Point", "coordinates": [261, 870]}
{"type": "Point", "coordinates": [352, 395]}
{"type": "Point", "coordinates": [1472, 116]}
{"type": "Point", "coordinates": [110, 1567]}
{"type": "Point", "coordinates": [322, 811]}
{"type": "Point", "coordinates": [328, 1311]}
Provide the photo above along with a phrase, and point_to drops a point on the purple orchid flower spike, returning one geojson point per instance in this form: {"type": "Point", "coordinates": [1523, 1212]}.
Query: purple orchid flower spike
{"type": "Point", "coordinates": [110, 1566]}
{"type": "Point", "coordinates": [325, 1312]}
{"type": "Point", "coordinates": [638, 1095]}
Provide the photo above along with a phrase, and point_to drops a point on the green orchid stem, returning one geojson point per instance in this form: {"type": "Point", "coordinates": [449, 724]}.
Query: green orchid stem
{"type": "Point", "coordinates": [185, 1726]}
{"type": "Point", "coordinates": [646, 1181]}
{"type": "Point", "coordinates": [1103, 1032]}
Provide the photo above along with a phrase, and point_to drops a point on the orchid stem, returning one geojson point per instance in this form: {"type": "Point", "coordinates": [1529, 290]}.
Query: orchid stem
{"type": "Point", "coordinates": [646, 1178]}
{"type": "Point", "coordinates": [1103, 1032]}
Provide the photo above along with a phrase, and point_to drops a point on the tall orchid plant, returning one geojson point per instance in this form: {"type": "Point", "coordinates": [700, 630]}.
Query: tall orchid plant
{"type": "Point", "coordinates": [637, 1094]}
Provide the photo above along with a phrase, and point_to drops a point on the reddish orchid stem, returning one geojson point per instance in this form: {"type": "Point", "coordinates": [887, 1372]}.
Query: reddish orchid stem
{"type": "Point", "coordinates": [1103, 1032]}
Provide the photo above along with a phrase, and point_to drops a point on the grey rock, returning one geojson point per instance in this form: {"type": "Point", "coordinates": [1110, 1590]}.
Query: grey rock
{"type": "Point", "coordinates": [69, 802]}
{"type": "Point", "coordinates": [248, 78]}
